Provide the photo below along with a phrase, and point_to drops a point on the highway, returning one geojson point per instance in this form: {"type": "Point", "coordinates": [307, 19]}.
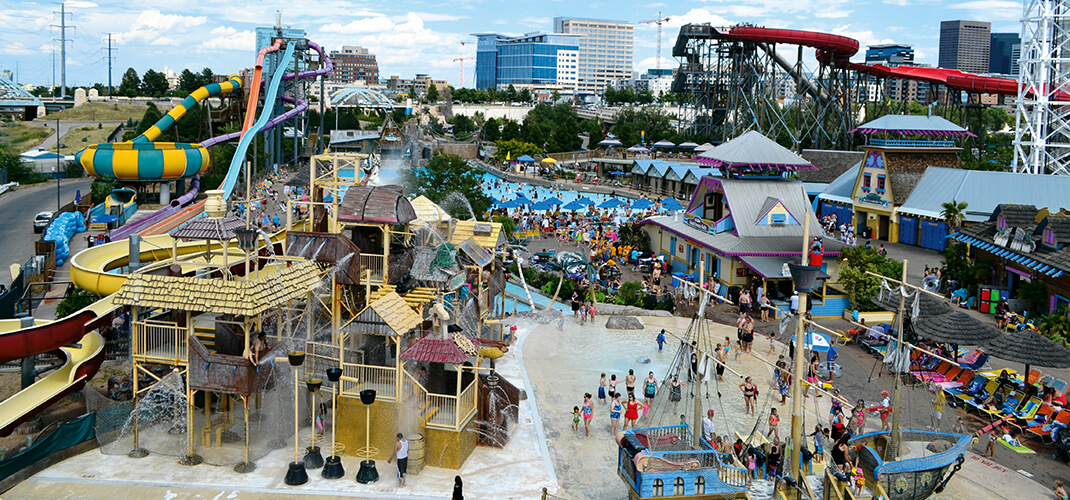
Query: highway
{"type": "Point", "coordinates": [18, 208]}
{"type": "Point", "coordinates": [65, 128]}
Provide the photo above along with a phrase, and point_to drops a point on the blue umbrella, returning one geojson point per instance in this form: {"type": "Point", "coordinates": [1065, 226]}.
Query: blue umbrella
{"type": "Point", "coordinates": [554, 201]}
{"type": "Point", "coordinates": [617, 172]}
{"type": "Point", "coordinates": [611, 203]}
{"type": "Point", "coordinates": [641, 204]}
{"type": "Point", "coordinates": [525, 158]}
{"type": "Point", "coordinates": [584, 201]}
{"type": "Point", "coordinates": [512, 204]}
{"type": "Point", "coordinates": [574, 205]}
{"type": "Point", "coordinates": [495, 202]}
{"type": "Point", "coordinates": [523, 200]}
{"type": "Point", "coordinates": [671, 204]}
{"type": "Point", "coordinates": [543, 205]}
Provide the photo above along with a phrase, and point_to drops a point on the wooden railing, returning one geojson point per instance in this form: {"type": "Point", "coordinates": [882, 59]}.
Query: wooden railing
{"type": "Point", "coordinates": [375, 265]}
{"type": "Point", "coordinates": [159, 341]}
{"type": "Point", "coordinates": [440, 411]}
{"type": "Point", "coordinates": [356, 378]}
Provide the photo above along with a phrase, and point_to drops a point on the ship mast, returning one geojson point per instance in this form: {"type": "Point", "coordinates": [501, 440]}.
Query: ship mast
{"type": "Point", "coordinates": [892, 454]}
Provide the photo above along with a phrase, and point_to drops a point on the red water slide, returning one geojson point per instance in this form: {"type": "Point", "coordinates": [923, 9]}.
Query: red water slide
{"type": "Point", "coordinates": [838, 49]}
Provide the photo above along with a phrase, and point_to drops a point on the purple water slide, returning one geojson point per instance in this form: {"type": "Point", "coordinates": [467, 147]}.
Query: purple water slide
{"type": "Point", "coordinates": [176, 204]}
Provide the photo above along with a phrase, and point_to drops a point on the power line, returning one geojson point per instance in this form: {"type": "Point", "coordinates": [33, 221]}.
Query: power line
{"type": "Point", "coordinates": [110, 59]}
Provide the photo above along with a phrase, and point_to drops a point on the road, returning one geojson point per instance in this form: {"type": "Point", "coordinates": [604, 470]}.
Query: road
{"type": "Point", "coordinates": [18, 208]}
{"type": "Point", "coordinates": [65, 128]}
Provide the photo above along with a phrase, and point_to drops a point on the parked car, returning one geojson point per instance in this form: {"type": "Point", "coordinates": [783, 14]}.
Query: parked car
{"type": "Point", "coordinates": [41, 220]}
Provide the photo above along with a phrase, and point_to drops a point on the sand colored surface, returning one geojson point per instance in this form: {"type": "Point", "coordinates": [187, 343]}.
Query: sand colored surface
{"type": "Point", "coordinates": [555, 366]}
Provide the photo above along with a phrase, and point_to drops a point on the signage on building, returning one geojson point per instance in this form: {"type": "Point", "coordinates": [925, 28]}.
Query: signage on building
{"type": "Point", "coordinates": [873, 199]}
{"type": "Point", "coordinates": [697, 223]}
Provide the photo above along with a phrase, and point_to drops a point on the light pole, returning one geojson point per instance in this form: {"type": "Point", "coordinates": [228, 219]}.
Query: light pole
{"type": "Point", "coordinates": [59, 157]}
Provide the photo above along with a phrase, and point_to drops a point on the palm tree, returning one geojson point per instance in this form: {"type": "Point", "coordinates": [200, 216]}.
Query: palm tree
{"type": "Point", "coordinates": [952, 213]}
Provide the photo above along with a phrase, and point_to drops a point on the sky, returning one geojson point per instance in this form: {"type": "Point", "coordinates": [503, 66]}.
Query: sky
{"type": "Point", "coordinates": [418, 36]}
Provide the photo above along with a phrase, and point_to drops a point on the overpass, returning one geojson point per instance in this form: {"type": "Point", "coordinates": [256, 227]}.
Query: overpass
{"type": "Point", "coordinates": [15, 99]}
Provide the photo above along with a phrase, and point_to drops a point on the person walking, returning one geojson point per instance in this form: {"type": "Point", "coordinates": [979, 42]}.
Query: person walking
{"type": "Point", "coordinates": [629, 382]}
{"type": "Point", "coordinates": [774, 423]}
{"type": "Point", "coordinates": [650, 389]}
{"type": "Point", "coordinates": [588, 413]}
{"type": "Point", "coordinates": [631, 414]}
{"type": "Point", "coordinates": [661, 339]}
{"type": "Point", "coordinates": [750, 395]}
{"type": "Point", "coordinates": [602, 389]}
{"type": "Point", "coordinates": [615, 408]}
{"type": "Point", "coordinates": [676, 389]}
{"type": "Point", "coordinates": [458, 488]}
{"type": "Point", "coordinates": [722, 357]}
{"type": "Point", "coordinates": [401, 453]}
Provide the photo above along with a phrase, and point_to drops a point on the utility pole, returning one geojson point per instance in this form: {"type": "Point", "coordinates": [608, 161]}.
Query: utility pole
{"type": "Point", "coordinates": [62, 51]}
{"type": "Point", "coordinates": [59, 158]}
{"type": "Point", "coordinates": [110, 59]}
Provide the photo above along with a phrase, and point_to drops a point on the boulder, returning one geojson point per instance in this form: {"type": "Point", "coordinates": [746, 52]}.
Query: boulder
{"type": "Point", "coordinates": [624, 323]}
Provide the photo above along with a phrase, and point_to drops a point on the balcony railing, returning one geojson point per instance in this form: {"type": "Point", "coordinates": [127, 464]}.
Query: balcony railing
{"type": "Point", "coordinates": [374, 265]}
{"type": "Point", "coordinates": [907, 143]}
{"type": "Point", "coordinates": [160, 342]}
{"type": "Point", "coordinates": [441, 411]}
{"type": "Point", "coordinates": [356, 378]}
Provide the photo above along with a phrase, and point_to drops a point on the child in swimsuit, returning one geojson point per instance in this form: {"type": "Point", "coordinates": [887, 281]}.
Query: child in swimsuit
{"type": "Point", "coordinates": [575, 418]}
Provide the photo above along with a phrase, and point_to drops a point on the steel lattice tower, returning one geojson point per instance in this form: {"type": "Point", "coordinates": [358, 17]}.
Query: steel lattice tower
{"type": "Point", "coordinates": [1042, 118]}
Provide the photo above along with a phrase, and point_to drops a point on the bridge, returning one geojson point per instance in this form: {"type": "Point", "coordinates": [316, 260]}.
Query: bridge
{"type": "Point", "coordinates": [15, 99]}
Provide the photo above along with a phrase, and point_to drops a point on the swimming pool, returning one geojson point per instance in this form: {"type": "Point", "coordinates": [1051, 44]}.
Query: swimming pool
{"type": "Point", "coordinates": [505, 191]}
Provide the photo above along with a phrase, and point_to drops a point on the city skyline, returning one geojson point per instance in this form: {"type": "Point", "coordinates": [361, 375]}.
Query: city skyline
{"type": "Point", "coordinates": [424, 36]}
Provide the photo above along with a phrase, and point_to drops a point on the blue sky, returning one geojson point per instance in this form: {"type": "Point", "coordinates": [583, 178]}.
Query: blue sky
{"type": "Point", "coordinates": [411, 37]}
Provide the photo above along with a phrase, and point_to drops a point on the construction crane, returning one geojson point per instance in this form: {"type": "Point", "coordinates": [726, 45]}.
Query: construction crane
{"type": "Point", "coordinates": [460, 58]}
{"type": "Point", "coordinates": [658, 20]}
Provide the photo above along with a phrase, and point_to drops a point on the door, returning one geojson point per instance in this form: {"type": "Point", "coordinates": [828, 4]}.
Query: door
{"type": "Point", "coordinates": [933, 235]}
{"type": "Point", "coordinates": [882, 227]}
{"type": "Point", "coordinates": [908, 230]}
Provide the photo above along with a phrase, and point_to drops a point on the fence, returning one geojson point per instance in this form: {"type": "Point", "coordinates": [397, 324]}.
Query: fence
{"type": "Point", "coordinates": [159, 341]}
{"type": "Point", "coordinates": [374, 265]}
{"type": "Point", "coordinates": [356, 377]}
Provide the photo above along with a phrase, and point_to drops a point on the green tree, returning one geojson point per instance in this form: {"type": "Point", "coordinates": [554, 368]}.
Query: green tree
{"type": "Point", "coordinates": [461, 124]}
{"type": "Point", "coordinates": [595, 132]}
{"type": "Point", "coordinates": [953, 212]}
{"type": "Point", "coordinates": [634, 236]}
{"type": "Point", "coordinates": [446, 174]}
{"type": "Point", "coordinates": [206, 76]}
{"type": "Point", "coordinates": [564, 138]}
{"type": "Point", "coordinates": [74, 302]}
{"type": "Point", "coordinates": [524, 96]}
{"type": "Point", "coordinates": [490, 130]}
{"type": "Point", "coordinates": [555, 96]}
{"type": "Point", "coordinates": [534, 133]}
{"type": "Point", "coordinates": [17, 171]}
{"type": "Point", "coordinates": [512, 149]}
{"type": "Point", "coordinates": [432, 93]}
{"type": "Point", "coordinates": [130, 84]}
{"type": "Point", "coordinates": [858, 285]}
{"type": "Point", "coordinates": [153, 83]}
{"type": "Point", "coordinates": [511, 94]}
{"type": "Point", "coordinates": [510, 131]}
{"type": "Point", "coordinates": [631, 122]}
{"type": "Point", "coordinates": [1056, 325]}
{"type": "Point", "coordinates": [188, 81]}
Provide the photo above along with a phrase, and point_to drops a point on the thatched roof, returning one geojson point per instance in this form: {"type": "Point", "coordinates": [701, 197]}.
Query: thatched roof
{"type": "Point", "coordinates": [956, 327]}
{"type": "Point", "coordinates": [397, 314]}
{"type": "Point", "coordinates": [241, 298]}
{"type": "Point", "coordinates": [1029, 347]}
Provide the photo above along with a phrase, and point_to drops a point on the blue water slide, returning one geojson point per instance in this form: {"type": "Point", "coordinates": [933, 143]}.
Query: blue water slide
{"type": "Point", "coordinates": [247, 138]}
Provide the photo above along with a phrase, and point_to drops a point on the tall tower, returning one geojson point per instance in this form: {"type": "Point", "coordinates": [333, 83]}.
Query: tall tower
{"type": "Point", "coordinates": [1042, 118]}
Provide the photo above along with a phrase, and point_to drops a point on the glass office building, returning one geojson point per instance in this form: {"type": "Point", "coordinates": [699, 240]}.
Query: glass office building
{"type": "Point", "coordinates": [533, 60]}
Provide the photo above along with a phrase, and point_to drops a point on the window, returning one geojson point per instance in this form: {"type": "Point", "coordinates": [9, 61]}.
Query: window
{"type": "Point", "coordinates": [866, 181]}
{"type": "Point", "coordinates": [678, 486]}
{"type": "Point", "coordinates": [700, 485]}
{"type": "Point", "coordinates": [1001, 222]}
{"type": "Point", "coordinates": [880, 183]}
{"type": "Point", "coordinates": [659, 488]}
{"type": "Point", "coordinates": [778, 218]}
{"type": "Point", "coordinates": [672, 245]}
{"type": "Point", "coordinates": [1049, 236]}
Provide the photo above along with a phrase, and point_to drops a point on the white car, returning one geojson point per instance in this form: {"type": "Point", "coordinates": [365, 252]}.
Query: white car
{"type": "Point", "coordinates": [41, 220]}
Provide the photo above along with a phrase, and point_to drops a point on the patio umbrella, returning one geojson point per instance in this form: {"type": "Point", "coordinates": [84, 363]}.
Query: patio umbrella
{"type": "Point", "coordinates": [664, 144]}
{"type": "Point", "coordinates": [543, 205]}
{"type": "Point", "coordinates": [495, 202]}
{"type": "Point", "coordinates": [617, 172]}
{"type": "Point", "coordinates": [687, 145]}
{"type": "Point", "coordinates": [671, 204]}
{"type": "Point", "coordinates": [574, 205]}
{"type": "Point", "coordinates": [511, 204]}
{"type": "Point", "coordinates": [817, 342]}
{"type": "Point", "coordinates": [638, 148]}
{"type": "Point", "coordinates": [610, 143]}
{"type": "Point", "coordinates": [584, 201]}
{"type": "Point", "coordinates": [523, 200]}
{"type": "Point", "coordinates": [641, 204]}
{"type": "Point", "coordinates": [611, 203]}
{"type": "Point", "coordinates": [704, 147]}
{"type": "Point", "coordinates": [549, 160]}
{"type": "Point", "coordinates": [1029, 347]}
{"type": "Point", "coordinates": [554, 201]}
{"type": "Point", "coordinates": [956, 327]}
{"type": "Point", "coordinates": [525, 158]}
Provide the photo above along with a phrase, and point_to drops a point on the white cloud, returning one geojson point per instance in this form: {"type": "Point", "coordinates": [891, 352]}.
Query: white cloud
{"type": "Point", "coordinates": [899, 3]}
{"type": "Point", "coordinates": [165, 40]}
{"type": "Point", "coordinates": [228, 38]}
{"type": "Point", "coordinates": [151, 24]}
{"type": "Point", "coordinates": [429, 17]}
{"type": "Point", "coordinates": [16, 49]}
{"type": "Point", "coordinates": [834, 14]}
{"type": "Point", "coordinates": [542, 23]}
{"type": "Point", "coordinates": [992, 9]}
{"type": "Point", "coordinates": [693, 16]}
{"type": "Point", "coordinates": [76, 4]}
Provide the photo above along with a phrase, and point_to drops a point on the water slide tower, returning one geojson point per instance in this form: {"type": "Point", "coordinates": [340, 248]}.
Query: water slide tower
{"type": "Point", "coordinates": [1042, 131]}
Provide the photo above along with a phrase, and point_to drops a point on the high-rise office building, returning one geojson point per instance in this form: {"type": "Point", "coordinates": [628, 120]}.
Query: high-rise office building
{"type": "Point", "coordinates": [964, 45]}
{"type": "Point", "coordinates": [605, 50]}
{"type": "Point", "coordinates": [1004, 52]}
{"type": "Point", "coordinates": [264, 37]}
{"type": "Point", "coordinates": [534, 60]}
{"type": "Point", "coordinates": [891, 54]}
{"type": "Point", "coordinates": [353, 64]}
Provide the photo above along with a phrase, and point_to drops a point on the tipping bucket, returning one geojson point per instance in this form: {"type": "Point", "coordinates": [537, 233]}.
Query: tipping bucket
{"type": "Point", "coordinates": [416, 453]}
